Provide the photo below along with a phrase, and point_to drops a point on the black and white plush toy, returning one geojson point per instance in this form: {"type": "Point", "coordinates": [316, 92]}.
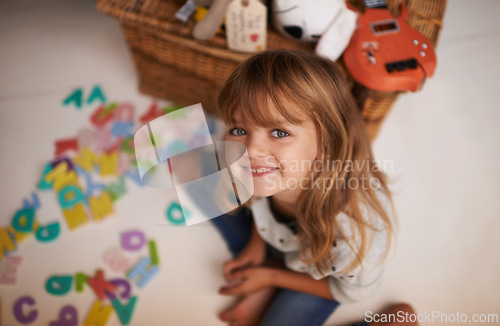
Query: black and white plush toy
{"type": "Point", "coordinates": [328, 22]}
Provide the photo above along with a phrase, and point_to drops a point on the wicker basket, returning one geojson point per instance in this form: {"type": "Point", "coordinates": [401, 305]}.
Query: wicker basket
{"type": "Point", "coordinates": [174, 66]}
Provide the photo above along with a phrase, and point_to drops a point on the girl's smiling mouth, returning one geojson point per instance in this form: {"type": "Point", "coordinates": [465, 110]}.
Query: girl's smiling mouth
{"type": "Point", "coordinates": [259, 170]}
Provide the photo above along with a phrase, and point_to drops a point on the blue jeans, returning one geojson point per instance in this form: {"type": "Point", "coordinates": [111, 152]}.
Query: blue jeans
{"type": "Point", "coordinates": [288, 308]}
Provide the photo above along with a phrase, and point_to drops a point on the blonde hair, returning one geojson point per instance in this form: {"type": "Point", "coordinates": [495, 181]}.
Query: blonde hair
{"type": "Point", "coordinates": [318, 87]}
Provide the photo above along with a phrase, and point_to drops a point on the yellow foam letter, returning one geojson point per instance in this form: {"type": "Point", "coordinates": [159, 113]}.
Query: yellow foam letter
{"type": "Point", "coordinates": [86, 159]}
{"type": "Point", "coordinates": [101, 206]}
{"type": "Point", "coordinates": [6, 242]}
{"type": "Point", "coordinates": [109, 164]}
{"type": "Point", "coordinates": [76, 217]}
{"type": "Point", "coordinates": [59, 176]}
{"type": "Point", "coordinates": [98, 315]}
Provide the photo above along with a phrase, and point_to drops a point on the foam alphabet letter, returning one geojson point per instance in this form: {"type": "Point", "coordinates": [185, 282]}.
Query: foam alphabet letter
{"type": "Point", "coordinates": [133, 240]}
{"type": "Point", "coordinates": [86, 138]}
{"type": "Point", "coordinates": [48, 233]}
{"type": "Point", "coordinates": [108, 164]}
{"type": "Point", "coordinates": [128, 145]}
{"type": "Point", "coordinates": [152, 113]}
{"type": "Point", "coordinates": [35, 204]}
{"type": "Point", "coordinates": [153, 253]}
{"type": "Point", "coordinates": [43, 184]}
{"type": "Point", "coordinates": [86, 159]}
{"type": "Point", "coordinates": [122, 129]}
{"type": "Point", "coordinates": [101, 206]}
{"type": "Point", "coordinates": [176, 209]}
{"type": "Point", "coordinates": [21, 236]}
{"type": "Point", "coordinates": [142, 271]}
{"type": "Point", "coordinates": [76, 217]}
{"type": "Point", "coordinates": [23, 220]}
{"type": "Point", "coordinates": [124, 312]}
{"type": "Point", "coordinates": [59, 160]}
{"type": "Point", "coordinates": [117, 190]}
{"type": "Point", "coordinates": [76, 97]}
{"type": "Point", "coordinates": [124, 113]}
{"type": "Point", "coordinates": [58, 285]}
{"type": "Point", "coordinates": [102, 115]}
{"type": "Point", "coordinates": [103, 138]}
{"type": "Point", "coordinates": [96, 95]}
{"type": "Point", "coordinates": [59, 176]}
{"type": "Point", "coordinates": [126, 289]}
{"type": "Point", "coordinates": [100, 285]}
{"type": "Point", "coordinates": [18, 310]}
{"type": "Point", "coordinates": [65, 145]}
{"type": "Point", "coordinates": [7, 244]}
{"type": "Point", "coordinates": [69, 196]}
{"type": "Point", "coordinates": [68, 316]}
{"type": "Point", "coordinates": [116, 260]}
{"type": "Point", "coordinates": [98, 315]}
{"type": "Point", "coordinates": [80, 279]}
{"type": "Point", "coordinates": [8, 269]}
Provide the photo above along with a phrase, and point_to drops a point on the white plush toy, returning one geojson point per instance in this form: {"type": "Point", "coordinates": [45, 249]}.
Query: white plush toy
{"type": "Point", "coordinates": [329, 22]}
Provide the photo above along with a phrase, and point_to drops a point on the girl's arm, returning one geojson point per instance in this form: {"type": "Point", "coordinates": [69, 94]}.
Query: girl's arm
{"type": "Point", "coordinates": [253, 254]}
{"type": "Point", "coordinates": [301, 282]}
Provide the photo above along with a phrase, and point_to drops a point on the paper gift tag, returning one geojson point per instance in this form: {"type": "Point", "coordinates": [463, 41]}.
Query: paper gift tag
{"type": "Point", "coordinates": [246, 26]}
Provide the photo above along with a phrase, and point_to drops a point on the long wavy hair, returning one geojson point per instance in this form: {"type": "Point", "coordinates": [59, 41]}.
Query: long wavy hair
{"type": "Point", "coordinates": [318, 87]}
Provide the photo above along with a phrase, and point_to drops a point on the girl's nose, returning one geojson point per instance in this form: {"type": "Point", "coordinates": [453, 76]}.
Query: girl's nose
{"type": "Point", "coordinates": [256, 146]}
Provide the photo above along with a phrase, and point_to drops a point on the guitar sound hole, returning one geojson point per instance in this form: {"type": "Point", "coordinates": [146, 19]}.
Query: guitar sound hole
{"type": "Point", "coordinates": [401, 65]}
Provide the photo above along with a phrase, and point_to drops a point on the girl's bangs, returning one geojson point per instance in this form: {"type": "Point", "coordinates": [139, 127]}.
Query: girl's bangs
{"type": "Point", "coordinates": [248, 94]}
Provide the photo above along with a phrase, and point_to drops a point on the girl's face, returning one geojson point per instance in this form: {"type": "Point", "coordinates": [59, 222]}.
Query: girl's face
{"type": "Point", "coordinates": [280, 156]}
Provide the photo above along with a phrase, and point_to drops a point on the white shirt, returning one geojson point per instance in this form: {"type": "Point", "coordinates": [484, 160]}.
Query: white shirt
{"type": "Point", "coordinates": [360, 283]}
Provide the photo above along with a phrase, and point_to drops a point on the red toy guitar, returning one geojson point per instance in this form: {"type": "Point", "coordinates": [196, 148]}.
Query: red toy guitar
{"type": "Point", "coordinates": [385, 53]}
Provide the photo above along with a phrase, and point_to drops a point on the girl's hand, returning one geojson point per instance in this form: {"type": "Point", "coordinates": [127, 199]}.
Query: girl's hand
{"type": "Point", "coordinates": [254, 254]}
{"type": "Point", "coordinates": [248, 280]}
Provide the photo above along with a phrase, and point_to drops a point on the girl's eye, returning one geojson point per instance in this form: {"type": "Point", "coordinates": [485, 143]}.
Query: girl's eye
{"type": "Point", "coordinates": [237, 132]}
{"type": "Point", "coordinates": [280, 133]}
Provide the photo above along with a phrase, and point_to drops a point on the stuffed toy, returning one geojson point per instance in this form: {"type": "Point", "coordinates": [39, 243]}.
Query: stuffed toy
{"type": "Point", "coordinates": [328, 22]}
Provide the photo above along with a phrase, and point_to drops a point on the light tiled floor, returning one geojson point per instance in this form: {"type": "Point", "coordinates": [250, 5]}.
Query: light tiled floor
{"type": "Point", "coordinates": [443, 142]}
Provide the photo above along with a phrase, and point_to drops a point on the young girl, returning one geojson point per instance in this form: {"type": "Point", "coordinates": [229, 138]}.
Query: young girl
{"type": "Point", "coordinates": [320, 222]}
